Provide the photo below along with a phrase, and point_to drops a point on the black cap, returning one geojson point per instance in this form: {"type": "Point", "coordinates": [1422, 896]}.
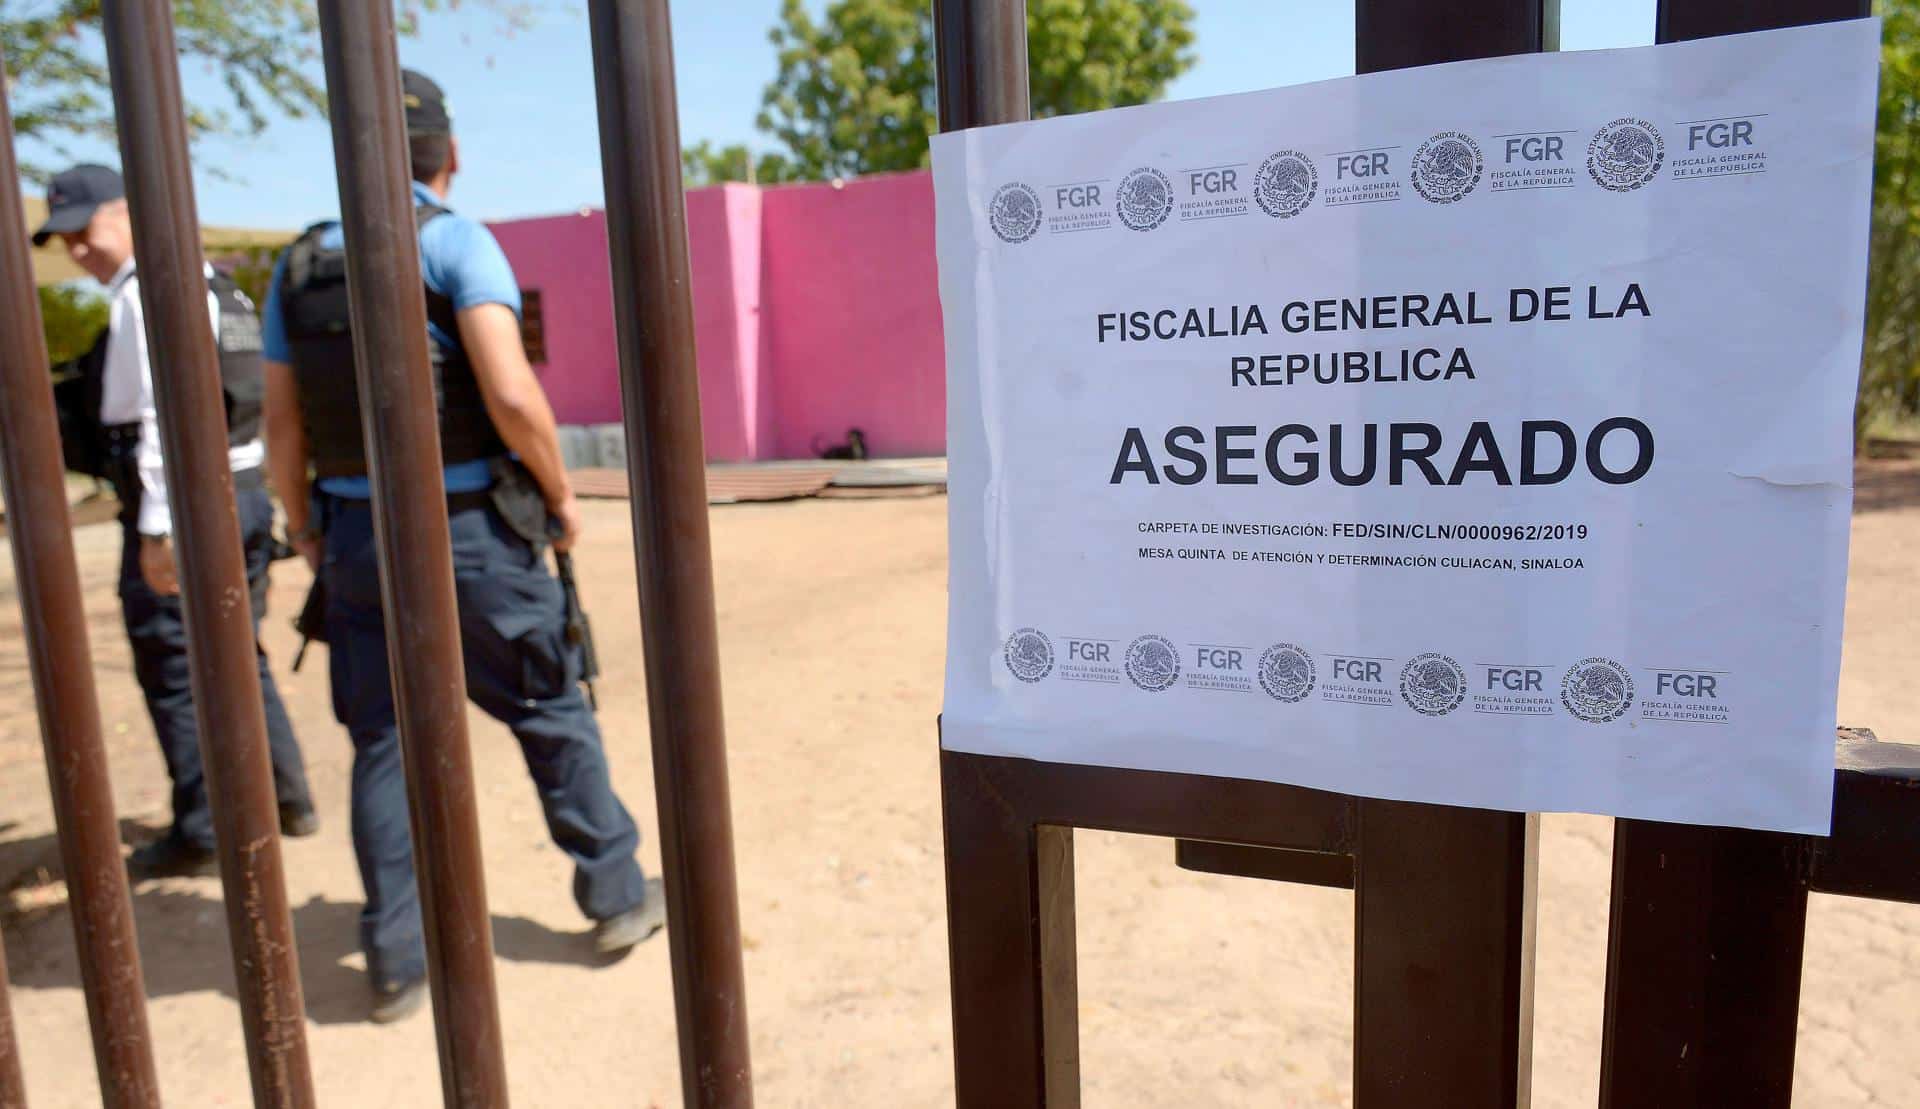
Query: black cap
{"type": "Point", "coordinates": [72, 196]}
{"type": "Point", "coordinates": [427, 112]}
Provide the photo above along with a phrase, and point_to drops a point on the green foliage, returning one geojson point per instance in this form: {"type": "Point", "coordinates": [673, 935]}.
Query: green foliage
{"type": "Point", "coordinates": [265, 51]}
{"type": "Point", "coordinates": [71, 317]}
{"type": "Point", "coordinates": [1890, 370]}
{"type": "Point", "coordinates": [854, 92]}
{"type": "Point", "coordinates": [706, 164]}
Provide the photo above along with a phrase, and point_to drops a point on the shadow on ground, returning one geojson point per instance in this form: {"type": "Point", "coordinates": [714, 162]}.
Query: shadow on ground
{"type": "Point", "coordinates": [1883, 484]}
{"type": "Point", "coordinates": [183, 937]}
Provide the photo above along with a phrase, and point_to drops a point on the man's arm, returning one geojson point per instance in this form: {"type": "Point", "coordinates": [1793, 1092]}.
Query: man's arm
{"type": "Point", "coordinates": [280, 418]}
{"type": "Point", "coordinates": [287, 458]}
{"type": "Point", "coordinates": [127, 362]}
{"type": "Point", "coordinates": [518, 406]}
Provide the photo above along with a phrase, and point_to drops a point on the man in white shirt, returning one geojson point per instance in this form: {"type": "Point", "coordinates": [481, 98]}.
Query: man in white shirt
{"type": "Point", "coordinates": [87, 209]}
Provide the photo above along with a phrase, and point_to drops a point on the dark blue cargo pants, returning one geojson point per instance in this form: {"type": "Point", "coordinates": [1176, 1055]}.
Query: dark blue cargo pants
{"type": "Point", "coordinates": [157, 632]}
{"type": "Point", "coordinates": [520, 669]}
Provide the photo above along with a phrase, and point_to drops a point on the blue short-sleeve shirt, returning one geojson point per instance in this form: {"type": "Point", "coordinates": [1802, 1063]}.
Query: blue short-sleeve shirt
{"type": "Point", "coordinates": [460, 260]}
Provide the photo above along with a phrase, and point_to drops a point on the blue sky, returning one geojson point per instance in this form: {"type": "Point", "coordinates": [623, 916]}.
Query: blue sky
{"type": "Point", "coordinates": [524, 113]}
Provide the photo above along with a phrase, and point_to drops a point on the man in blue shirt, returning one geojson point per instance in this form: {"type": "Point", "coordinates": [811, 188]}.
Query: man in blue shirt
{"type": "Point", "coordinates": [495, 427]}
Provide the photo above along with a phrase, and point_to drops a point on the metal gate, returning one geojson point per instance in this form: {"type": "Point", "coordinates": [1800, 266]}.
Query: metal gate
{"type": "Point", "coordinates": [633, 65]}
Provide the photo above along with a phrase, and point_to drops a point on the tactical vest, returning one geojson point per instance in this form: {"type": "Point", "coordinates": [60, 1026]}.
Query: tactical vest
{"type": "Point", "coordinates": [313, 303]}
{"type": "Point", "coordinates": [78, 385]}
{"type": "Point", "coordinates": [242, 371]}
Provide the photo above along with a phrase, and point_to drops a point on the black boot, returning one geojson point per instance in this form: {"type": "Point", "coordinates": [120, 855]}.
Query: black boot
{"type": "Point", "coordinates": [170, 857]}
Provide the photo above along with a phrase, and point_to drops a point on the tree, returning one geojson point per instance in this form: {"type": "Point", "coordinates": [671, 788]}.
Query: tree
{"type": "Point", "coordinates": [72, 317]}
{"type": "Point", "coordinates": [854, 92]}
{"type": "Point", "coordinates": [263, 50]}
{"type": "Point", "coordinates": [706, 164]}
{"type": "Point", "coordinates": [1890, 368]}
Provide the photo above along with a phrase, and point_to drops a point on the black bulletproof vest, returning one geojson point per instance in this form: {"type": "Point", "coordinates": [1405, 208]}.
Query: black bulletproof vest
{"type": "Point", "coordinates": [313, 302]}
{"type": "Point", "coordinates": [78, 385]}
{"type": "Point", "coordinates": [242, 373]}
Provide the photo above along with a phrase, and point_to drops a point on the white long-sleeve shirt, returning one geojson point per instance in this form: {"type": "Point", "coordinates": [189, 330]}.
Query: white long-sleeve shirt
{"type": "Point", "coordinates": [126, 396]}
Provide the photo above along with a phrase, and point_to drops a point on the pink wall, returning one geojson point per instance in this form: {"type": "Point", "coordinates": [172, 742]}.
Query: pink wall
{"type": "Point", "coordinates": [851, 322]}
{"type": "Point", "coordinates": [816, 309]}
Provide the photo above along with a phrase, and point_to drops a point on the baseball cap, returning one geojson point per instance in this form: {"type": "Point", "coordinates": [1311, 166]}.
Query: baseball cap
{"type": "Point", "coordinates": [73, 195]}
{"type": "Point", "coordinates": [426, 105]}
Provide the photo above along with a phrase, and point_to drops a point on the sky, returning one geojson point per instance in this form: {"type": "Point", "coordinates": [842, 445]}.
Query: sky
{"type": "Point", "coordinates": [524, 112]}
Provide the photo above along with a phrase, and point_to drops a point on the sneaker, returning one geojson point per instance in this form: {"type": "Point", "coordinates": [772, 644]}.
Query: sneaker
{"type": "Point", "coordinates": [168, 857]}
{"type": "Point", "coordinates": [399, 1002]}
{"type": "Point", "coordinates": [617, 933]}
{"type": "Point", "coordinates": [298, 821]}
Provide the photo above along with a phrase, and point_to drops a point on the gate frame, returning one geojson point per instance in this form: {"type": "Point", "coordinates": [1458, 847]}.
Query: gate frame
{"type": "Point", "coordinates": [1444, 896]}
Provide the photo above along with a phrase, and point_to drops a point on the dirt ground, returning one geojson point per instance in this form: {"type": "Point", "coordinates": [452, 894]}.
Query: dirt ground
{"type": "Point", "coordinates": [1195, 990]}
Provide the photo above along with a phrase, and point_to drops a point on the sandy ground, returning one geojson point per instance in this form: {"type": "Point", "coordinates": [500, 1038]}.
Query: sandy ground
{"type": "Point", "coordinates": [1195, 990]}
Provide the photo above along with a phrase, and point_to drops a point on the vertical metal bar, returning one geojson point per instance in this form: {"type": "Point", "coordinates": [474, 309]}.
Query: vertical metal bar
{"type": "Point", "coordinates": [13, 1085]}
{"type": "Point", "coordinates": [207, 545]}
{"type": "Point", "coordinates": [410, 528]}
{"type": "Point", "coordinates": [1395, 34]}
{"type": "Point", "coordinates": [56, 630]}
{"type": "Point", "coordinates": [1679, 20]}
{"type": "Point", "coordinates": [1703, 967]}
{"type": "Point", "coordinates": [1443, 982]}
{"type": "Point", "coordinates": [1010, 919]}
{"type": "Point", "coordinates": [1444, 903]}
{"type": "Point", "coordinates": [666, 467]}
{"type": "Point", "coordinates": [1010, 944]}
{"type": "Point", "coordinates": [980, 51]}
{"type": "Point", "coordinates": [1707, 925]}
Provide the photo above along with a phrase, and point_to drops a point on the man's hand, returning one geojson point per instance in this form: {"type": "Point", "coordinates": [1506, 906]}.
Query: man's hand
{"type": "Point", "coordinates": [156, 564]}
{"type": "Point", "coordinates": [567, 515]}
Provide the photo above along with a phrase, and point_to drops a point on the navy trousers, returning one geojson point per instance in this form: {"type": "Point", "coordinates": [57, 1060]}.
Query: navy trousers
{"type": "Point", "coordinates": [157, 632]}
{"type": "Point", "coordinates": [521, 670]}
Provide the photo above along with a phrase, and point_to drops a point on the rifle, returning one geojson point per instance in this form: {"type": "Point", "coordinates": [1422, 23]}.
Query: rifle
{"type": "Point", "coordinates": [312, 621]}
{"type": "Point", "coordinates": [578, 629]}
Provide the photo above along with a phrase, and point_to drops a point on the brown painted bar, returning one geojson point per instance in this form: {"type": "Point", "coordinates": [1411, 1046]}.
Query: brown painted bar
{"type": "Point", "coordinates": [1010, 943]}
{"type": "Point", "coordinates": [1443, 916]}
{"type": "Point", "coordinates": [13, 1085]}
{"type": "Point", "coordinates": [666, 468]}
{"type": "Point", "coordinates": [207, 545]}
{"type": "Point", "coordinates": [1443, 937]}
{"type": "Point", "coordinates": [1708, 924]}
{"type": "Point", "coordinates": [1876, 822]}
{"type": "Point", "coordinates": [54, 618]}
{"type": "Point", "coordinates": [400, 415]}
{"type": "Point", "coordinates": [1275, 864]}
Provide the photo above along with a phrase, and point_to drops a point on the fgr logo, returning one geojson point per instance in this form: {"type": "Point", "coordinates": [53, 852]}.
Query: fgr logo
{"type": "Point", "coordinates": [1626, 154]}
{"type": "Point", "coordinates": [1152, 663]}
{"type": "Point", "coordinates": [1597, 690]}
{"type": "Point", "coordinates": [1546, 147]}
{"type": "Point", "coordinates": [1144, 198]}
{"type": "Point", "coordinates": [1287, 672]}
{"type": "Point", "coordinates": [1029, 655]}
{"type": "Point", "coordinates": [1686, 683]}
{"type": "Point", "coordinates": [1719, 134]}
{"type": "Point", "coordinates": [1285, 184]}
{"type": "Point", "coordinates": [1447, 167]}
{"type": "Point", "coordinates": [1014, 212]}
{"type": "Point", "coordinates": [1432, 684]}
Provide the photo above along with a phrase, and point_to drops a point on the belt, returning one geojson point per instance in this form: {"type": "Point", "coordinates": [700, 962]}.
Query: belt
{"type": "Point", "coordinates": [120, 438]}
{"type": "Point", "coordinates": [456, 502]}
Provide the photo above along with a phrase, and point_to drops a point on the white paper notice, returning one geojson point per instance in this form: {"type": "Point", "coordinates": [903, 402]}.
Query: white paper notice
{"type": "Point", "coordinates": [1476, 434]}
